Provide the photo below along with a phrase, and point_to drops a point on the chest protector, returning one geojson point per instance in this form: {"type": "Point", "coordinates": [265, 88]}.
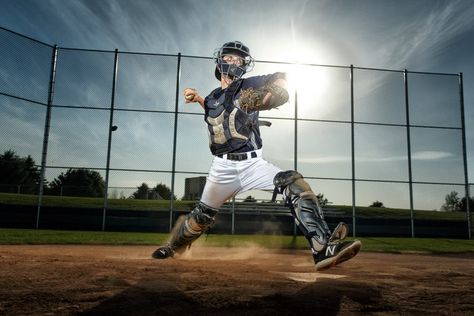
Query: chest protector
{"type": "Point", "coordinates": [230, 128]}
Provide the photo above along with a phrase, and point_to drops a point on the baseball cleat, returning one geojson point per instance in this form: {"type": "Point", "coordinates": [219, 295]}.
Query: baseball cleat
{"type": "Point", "coordinates": [163, 252]}
{"type": "Point", "coordinates": [335, 253]}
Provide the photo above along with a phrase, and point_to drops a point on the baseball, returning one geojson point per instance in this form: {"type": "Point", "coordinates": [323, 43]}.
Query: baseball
{"type": "Point", "coordinates": [189, 97]}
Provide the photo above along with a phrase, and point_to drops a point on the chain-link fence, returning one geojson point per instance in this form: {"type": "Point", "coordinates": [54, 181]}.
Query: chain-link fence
{"type": "Point", "coordinates": [370, 140]}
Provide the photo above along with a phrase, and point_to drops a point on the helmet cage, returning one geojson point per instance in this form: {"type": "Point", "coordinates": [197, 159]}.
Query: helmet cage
{"type": "Point", "coordinates": [234, 71]}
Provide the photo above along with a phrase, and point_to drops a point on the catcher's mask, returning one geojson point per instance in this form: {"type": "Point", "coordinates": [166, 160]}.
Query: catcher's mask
{"type": "Point", "coordinates": [233, 70]}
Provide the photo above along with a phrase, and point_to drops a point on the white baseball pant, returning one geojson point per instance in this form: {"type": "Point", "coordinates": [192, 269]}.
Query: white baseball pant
{"type": "Point", "coordinates": [227, 178]}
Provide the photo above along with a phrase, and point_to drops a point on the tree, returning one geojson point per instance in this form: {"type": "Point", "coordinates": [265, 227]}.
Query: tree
{"type": "Point", "coordinates": [78, 182]}
{"type": "Point", "coordinates": [250, 199]}
{"type": "Point", "coordinates": [159, 192]}
{"type": "Point", "coordinates": [377, 204]}
{"type": "Point", "coordinates": [463, 205]}
{"type": "Point", "coordinates": [142, 192]}
{"type": "Point", "coordinates": [452, 202]}
{"type": "Point", "coordinates": [322, 201]}
{"type": "Point", "coordinates": [17, 172]}
{"type": "Point", "coordinates": [163, 191]}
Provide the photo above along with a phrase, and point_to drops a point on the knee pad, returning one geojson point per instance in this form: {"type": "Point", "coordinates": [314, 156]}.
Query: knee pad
{"type": "Point", "coordinates": [204, 215]}
{"type": "Point", "coordinates": [284, 178]}
{"type": "Point", "coordinates": [292, 183]}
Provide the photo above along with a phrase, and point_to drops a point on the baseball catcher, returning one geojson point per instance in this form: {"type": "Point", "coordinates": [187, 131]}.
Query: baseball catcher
{"type": "Point", "coordinates": [232, 118]}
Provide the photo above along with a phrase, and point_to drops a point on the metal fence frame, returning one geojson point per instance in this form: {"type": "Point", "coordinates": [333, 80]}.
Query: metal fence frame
{"type": "Point", "coordinates": [176, 112]}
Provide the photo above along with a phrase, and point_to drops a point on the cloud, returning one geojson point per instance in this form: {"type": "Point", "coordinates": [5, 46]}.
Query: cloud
{"type": "Point", "coordinates": [431, 155]}
{"type": "Point", "coordinates": [325, 160]}
{"type": "Point", "coordinates": [427, 35]}
{"type": "Point", "coordinates": [22, 127]}
{"type": "Point", "coordinates": [421, 155]}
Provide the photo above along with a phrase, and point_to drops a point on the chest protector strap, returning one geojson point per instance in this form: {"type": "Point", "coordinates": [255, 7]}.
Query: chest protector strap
{"type": "Point", "coordinates": [229, 94]}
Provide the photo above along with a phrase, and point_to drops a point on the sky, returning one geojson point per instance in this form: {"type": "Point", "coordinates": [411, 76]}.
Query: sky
{"type": "Point", "coordinates": [418, 35]}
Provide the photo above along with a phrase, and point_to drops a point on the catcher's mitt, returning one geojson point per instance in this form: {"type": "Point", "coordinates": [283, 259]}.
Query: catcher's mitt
{"type": "Point", "coordinates": [252, 99]}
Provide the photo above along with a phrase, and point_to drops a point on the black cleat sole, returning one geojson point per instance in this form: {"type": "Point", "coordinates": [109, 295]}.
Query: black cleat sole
{"type": "Point", "coordinates": [345, 254]}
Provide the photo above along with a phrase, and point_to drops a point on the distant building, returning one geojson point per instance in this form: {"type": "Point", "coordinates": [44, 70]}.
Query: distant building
{"type": "Point", "coordinates": [193, 188]}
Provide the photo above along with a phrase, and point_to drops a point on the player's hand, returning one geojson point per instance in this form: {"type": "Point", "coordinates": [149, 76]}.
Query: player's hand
{"type": "Point", "coordinates": [190, 95]}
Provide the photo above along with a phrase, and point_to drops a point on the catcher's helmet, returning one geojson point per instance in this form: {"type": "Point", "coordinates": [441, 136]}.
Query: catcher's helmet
{"type": "Point", "coordinates": [234, 71]}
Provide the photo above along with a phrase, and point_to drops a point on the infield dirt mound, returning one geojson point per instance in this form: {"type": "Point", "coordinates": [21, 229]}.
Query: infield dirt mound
{"type": "Point", "coordinates": [123, 280]}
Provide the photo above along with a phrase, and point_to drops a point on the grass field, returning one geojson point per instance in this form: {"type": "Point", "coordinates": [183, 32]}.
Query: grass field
{"type": "Point", "coordinates": [89, 202]}
{"type": "Point", "coordinates": [392, 245]}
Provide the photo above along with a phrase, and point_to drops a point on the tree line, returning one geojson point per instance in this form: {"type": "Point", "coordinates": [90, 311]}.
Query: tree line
{"type": "Point", "coordinates": [453, 203]}
{"type": "Point", "coordinates": [22, 172]}
{"type": "Point", "coordinates": [16, 171]}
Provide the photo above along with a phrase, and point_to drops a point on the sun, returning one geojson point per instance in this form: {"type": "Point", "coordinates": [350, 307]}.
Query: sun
{"type": "Point", "coordinates": [306, 79]}
{"type": "Point", "coordinates": [308, 84]}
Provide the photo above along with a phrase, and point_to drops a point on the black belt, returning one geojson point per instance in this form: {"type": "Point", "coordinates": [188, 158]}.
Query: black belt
{"type": "Point", "coordinates": [238, 156]}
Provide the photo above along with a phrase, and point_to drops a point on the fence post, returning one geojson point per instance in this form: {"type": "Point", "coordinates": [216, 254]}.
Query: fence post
{"type": "Point", "coordinates": [175, 135]}
{"type": "Point", "coordinates": [410, 177]}
{"type": "Point", "coordinates": [233, 215]}
{"type": "Point", "coordinates": [464, 155]}
{"type": "Point", "coordinates": [47, 125]}
{"type": "Point", "coordinates": [295, 157]}
{"type": "Point", "coordinates": [109, 144]}
{"type": "Point", "coordinates": [353, 154]}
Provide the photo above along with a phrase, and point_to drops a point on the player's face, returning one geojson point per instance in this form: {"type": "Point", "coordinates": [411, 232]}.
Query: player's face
{"type": "Point", "coordinates": [233, 59]}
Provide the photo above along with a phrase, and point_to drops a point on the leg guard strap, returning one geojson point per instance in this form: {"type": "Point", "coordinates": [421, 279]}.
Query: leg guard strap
{"type": "Point", "coordinates": [188, 228]}
{"type": "Point", "coordinates": [304, 207]}
{"type": "Point", "coordinates": [313, 226]}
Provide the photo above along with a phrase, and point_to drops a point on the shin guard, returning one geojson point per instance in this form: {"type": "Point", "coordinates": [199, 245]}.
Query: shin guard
{"type": "Point", "coordinates": [304, 206]}
{"type": "Point", "coordinates": [188, 228]}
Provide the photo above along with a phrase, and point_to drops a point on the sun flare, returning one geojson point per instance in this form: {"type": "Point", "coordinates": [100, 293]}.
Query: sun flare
{"type": "Point", "coordinates": [307, 81]}
{"type": "Point", "coordinates": [308, 84]}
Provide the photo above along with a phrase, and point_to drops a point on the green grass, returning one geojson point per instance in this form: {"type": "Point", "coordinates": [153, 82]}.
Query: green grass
{"type": "Point", "coordinates": [34, 237]}
{"type": "Point", "coordinates": [364, 211]}
{"type": "Point", "coordinates": [415, 245]}
{"type": "Point", "coordinates": [25, 236]}
{"type": "Point", "coordinates": [90, 202]}
{"type": "Point", "coordinates": [392, 245]}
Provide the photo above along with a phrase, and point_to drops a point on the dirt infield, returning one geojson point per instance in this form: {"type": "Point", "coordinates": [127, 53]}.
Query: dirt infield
{"type": "Point", "coordinates": [123, 280]}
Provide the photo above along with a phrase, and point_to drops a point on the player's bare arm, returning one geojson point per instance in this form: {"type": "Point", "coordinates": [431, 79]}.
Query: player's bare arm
{"type": "Point", "coordinates": [191, 96]}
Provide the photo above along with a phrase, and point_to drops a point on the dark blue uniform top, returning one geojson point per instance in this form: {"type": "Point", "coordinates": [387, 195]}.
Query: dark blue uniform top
{"type": "Point", "coordinates": [230, 128]}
